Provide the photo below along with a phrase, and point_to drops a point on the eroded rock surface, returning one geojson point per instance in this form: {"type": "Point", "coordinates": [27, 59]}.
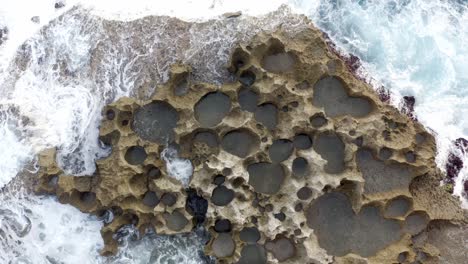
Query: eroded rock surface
{"type": "Point", "coordinates": [296, 161]}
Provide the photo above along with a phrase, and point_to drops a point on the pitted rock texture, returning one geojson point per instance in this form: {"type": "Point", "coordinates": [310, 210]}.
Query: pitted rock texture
{"type": "Point", "coordinates": [297, 161]}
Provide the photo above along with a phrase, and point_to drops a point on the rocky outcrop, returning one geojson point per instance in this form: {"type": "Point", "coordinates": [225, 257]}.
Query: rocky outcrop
{"type": "Point", "coordinates": [297, 161]}
{"type": "Point", "coordinates": [3, 34]}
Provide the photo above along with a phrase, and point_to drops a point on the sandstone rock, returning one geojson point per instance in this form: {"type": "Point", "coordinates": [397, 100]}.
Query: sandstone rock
{"type": "Point", "coordinates": [297, 161]}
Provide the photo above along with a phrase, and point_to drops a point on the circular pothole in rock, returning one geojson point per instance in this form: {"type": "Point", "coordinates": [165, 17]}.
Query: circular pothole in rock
{"type": "Point", "coordinates": [223, 245]}
{"type": "Point", "coordinates": [249, 235]}
{"type": "Point", "coordinates": [237, 182]}
{"type": "Point", "coordinates": [416, 222]}
{"type": "Point", "coordinates": [300, 167]}
{"type": "Point", "coordinates": [253, 254]}
{"type": "Point", "coordinates": [222, 196]}
{"type": "Point", "coordinates": [365, 233]}
{"type": "Point", "coordinates": [410, 157]}
{"type": "Point", "coordinates": [420, 138]}
{"type": "Point", "coordinates": [280, 216]}
{"type": "Point", "coordinates": [331, 147]}
{"type": "Point", "coordinates": [294, 104]}
{"type": "Point", "coordinates": [156, 122]}
{"type": "Point", "coordinates": [110, 114]}
{"type": "Point", "coordinates": [304, 193]}
{"type": "Point", "coordinates": [222, 226]}
{"type": "Point", "coordinates": [267, 115]}
{"type": "Point", "coordinates": [150, 199]}
{"type": "Point", "coordinates": [219, 179]}
{"type": "Point", "coordinates": [359, 141]}
{"type": "Point", "coordinates": [175, 221]}
{"type": "Point", "coordinates": [226, 171]}
{"type": "Point", "coordinates": [247, 78]}
{"type": "Point", "coordinates": [318, 120]}
{"type": "Point", "coordinates": [304, 85]}
{"type": "Point", "coordinates": [398, 207]}
{"type": "Point", "coordinates": [123, 119]}
{"type": "Point", "coordinates": [239, 59]}
{"type": "Point", "coordinates": [138, 183]}
{"type": "Point", "coordinates": [280, 150]}
{"type": "Point", "coordinates": [240, 142]}
{"type": "Point", "coordinates": [302, 141]}
{"type": "Point", "coordinates": [298, 207]}
{"type": "Point", "coordinates": [169, 199]}
{"type": "Point", "coordinates": [248, 99]}
{"type": "Point", "coordinates": [212, 108]}
{"type": "Point", "coordinates": [153, 172]}
{"type": "Point", "coordinates": [331, 94]}
{"type": "Point", "coordinates": [279, 62]}
{"type": "Point", "coordinates": [207, 137]}
{"type": "Point", "coordinates": [88, 198]}
{"type": "Point", "coordinates": [403, 256]}
{"type": "Point", "coordinates": [135, 155]}
{"type": "Point", "coordinates": [381, 177]}
{"type": "Point", "coordinates": [281, 248]}
{"type": "Point", "coordinates": [265, 177]}
{"type": "Point", "coordinates": [385, 153]}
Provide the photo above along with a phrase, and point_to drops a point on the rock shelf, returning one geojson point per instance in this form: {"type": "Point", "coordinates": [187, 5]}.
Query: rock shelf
{"type": "Point", "coordinates": [297, 161]}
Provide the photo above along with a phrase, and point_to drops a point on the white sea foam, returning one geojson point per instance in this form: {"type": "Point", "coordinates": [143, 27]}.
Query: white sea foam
{"type": "Point", "coordinates": [417, 48]}
{"type": "Point", "coordinates": [178, 168]}
{"type": "Point", "coordinates": [13, 151]}
{"type": "Point", "coordinates": [159, 249]}
{"type": "Point", "coordinates": [39, 230]}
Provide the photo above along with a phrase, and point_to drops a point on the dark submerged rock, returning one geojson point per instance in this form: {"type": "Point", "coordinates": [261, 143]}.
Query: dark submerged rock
{"type": "Point", "coordinates": [196, 205]}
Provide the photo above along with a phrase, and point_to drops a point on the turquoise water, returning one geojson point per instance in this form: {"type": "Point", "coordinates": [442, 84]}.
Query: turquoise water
{"type": "Point", "coordinates": [414, 48]}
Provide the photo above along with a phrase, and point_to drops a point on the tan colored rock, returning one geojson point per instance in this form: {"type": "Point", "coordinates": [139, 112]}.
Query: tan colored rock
{"type": "Point", "coordinates": [309, 154]}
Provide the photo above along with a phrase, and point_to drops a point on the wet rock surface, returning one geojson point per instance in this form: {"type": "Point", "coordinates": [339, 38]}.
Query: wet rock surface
{"type": "Point", "coordinates": [331, 148]}
{"type": "Point", "coordinates": [240, 142]}
{"type": "Point", "coordinates": [155, 122]}
{"type": "Point", "coordinates": [330, 94]}
{"type": "Point", "coordinates": [364, 233]}
{"type": "Point", "coordinates": [381, 177]}
{"type": "Point", "coordinates": [223, 245]}
{"type": "Point", "coordinates": [212, 108]}
{"type": "Point", "coordinates": [266, 177]}
{"type": "Point", "coordinates": [294, 160]}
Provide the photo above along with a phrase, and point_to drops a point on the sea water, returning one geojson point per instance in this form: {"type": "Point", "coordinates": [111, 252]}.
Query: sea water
{"type": "Point", "coordinates": [416, 48]}
{"type": "Point", "coordinates": [413, 48]}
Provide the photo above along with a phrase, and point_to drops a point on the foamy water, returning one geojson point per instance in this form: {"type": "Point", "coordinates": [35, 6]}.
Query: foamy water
{"type": "Point", "coordinates": [177, 168]}
{"type": "Point", "coordinates": [412, 47]}
{"type": "Point", "coordinates": [417, 48]}
{"type": "Point", "coordinates": [41, 230]}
